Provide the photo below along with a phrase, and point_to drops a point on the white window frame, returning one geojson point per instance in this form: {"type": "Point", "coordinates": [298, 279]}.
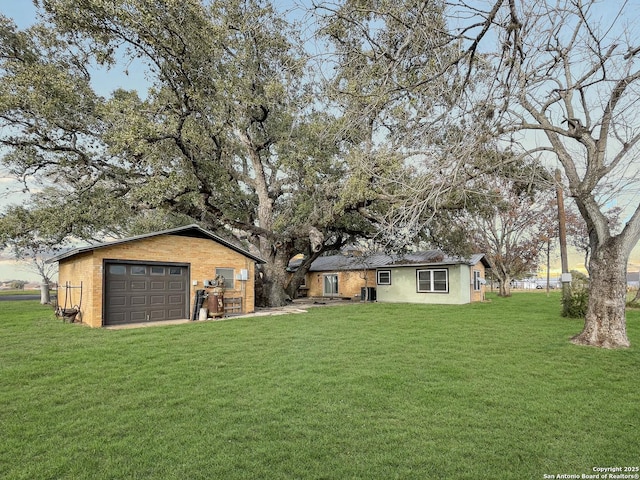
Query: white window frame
{"type": "Point", "coordinates": [228, 280]}
{"type": "Point", "coordinates": [325, 293]}
{"type": "Point", "coordinates": [379, 281]}
{"type": "Point", "coordinates": [431, 281]}
{"type": "Point", "coordinates": [477, 285]}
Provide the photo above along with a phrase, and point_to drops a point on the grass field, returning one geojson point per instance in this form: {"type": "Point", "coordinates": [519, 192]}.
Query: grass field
{"type": "Point", "coordinates": [19, 292]}
{"type": "Point", "coordinates": [483, 391]}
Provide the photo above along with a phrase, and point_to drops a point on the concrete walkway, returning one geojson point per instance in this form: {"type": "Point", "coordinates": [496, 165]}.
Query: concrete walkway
{"type": "Point", "coordinates": [297, 306]}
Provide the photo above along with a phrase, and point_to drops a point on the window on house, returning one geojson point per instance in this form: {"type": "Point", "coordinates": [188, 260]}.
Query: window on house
{"type": "Point", "coordinates": [138, 270]}
{"type": "Point", "coordinates": [228, 274]}
{"type": "Point", "coordinates": [175, 271]}
{"type": "Point", "coordinates": [384, 277]}
{"type": "Point", "coordinates": [330, 284]}
{"type": "Point", "coordinates": [157, 270]}
{"type": "Point", "coordinates": [432, 280]}
{"type": "Point", "coordinates": [476, 280]}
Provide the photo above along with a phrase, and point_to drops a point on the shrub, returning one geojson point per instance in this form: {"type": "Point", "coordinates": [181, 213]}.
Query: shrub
{"type": "Point", "coordinates": [575, 304]}
{"type": "Point", "coordinates": [17, 284]}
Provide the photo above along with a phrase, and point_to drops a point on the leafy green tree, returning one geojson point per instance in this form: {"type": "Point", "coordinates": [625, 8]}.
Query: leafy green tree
{"type": "Point", "coordinates": [229, 134]}
{"type": "Point", "coordinates": [401, 112]}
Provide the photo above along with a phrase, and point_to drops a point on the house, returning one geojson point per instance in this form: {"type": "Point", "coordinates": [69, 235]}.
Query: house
{"type": "Point", "coordinates": [432, 277]}
{"type": "Point", "coordinates": [153, 277]}
{"type": "Point", "coordinates": [340, 276]}
{"type": "Point", "coordinates": [419, 277]}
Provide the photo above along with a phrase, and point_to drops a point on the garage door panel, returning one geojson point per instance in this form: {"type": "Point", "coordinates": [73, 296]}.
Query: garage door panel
{"type": "Point", "coordinates": [117, 317]}
{"type": "Point", "coordinates": [158, 285]}
{"type": "Point", "coordinates": [144, 292]}
{"type": "Point", "coordinates": [138, 285]}
{"type": "Point", "coordinates": [138, 300]}
{"type": "Point", "coordinates": [157, 300]}
{"type": "Point", "coordinates": [138, 316]}
{"type": "Point", "coordinates": [175, 299]}
{"type": "Point", "coordinates": [158, 315]}
{"type": "Point", "coordinates": [117, 285]}
{"type": "Point", "coordinates": [117, 301]}
{"type": "Point", "coordinates": [174, 312]}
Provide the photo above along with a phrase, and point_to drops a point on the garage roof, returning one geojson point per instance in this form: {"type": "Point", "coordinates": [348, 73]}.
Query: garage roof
{"type": "Point", "coordinates": [187, 231]}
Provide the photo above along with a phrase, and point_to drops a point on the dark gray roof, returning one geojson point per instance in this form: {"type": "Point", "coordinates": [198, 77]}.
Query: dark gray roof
{"type": "Point", "coordinates": [187, 231]}
{"type": "Point", "coordinates": [349, 262]}
{"type": "Point", "coordinates": [382, 260]}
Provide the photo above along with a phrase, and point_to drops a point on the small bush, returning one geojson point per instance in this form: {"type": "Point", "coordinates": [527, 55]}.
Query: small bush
{"type": "Point", "coordinates": [575, 304]}
{"type": "Point", "coordinates": [17, 284]}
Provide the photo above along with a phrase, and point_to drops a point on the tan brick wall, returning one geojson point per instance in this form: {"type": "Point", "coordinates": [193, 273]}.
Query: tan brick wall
{"type": "Point", "coordinates": [76, 273]}
{"type": "Point", "coordinates": [203, 256]}
{"type": "Point", "coordinates": [349, 282]}
{"type": "Point", "coordinates": [478, 296]}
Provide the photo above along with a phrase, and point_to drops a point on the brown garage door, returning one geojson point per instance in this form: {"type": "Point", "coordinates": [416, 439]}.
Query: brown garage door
{"type": "Point", "coordinates": [145, 292]}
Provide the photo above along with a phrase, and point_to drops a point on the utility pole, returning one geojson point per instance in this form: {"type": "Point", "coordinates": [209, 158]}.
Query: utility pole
{"type": "Point", "coordinates": [562, 232]}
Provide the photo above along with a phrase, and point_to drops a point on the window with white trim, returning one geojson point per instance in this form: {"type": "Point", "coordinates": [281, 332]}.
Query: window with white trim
{"type": "Point", "coordinates": [228, 274]}
{"type": "Point", "coordinates": [477, 284]}
{"type": "Point", "coordinates": [432, 280]}
{"type": "Point", "coordinates": [383, 277]}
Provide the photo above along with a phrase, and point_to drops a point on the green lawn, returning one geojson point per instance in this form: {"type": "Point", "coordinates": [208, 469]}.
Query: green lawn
{"type": "Point", "coordinates": [19, 292]}
{"type": "Point", "coordinates": [483, 391]}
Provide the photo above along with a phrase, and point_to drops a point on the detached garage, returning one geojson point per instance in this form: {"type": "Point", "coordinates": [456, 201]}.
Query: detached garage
{"type": "Point", "coordinates": [153, 277]}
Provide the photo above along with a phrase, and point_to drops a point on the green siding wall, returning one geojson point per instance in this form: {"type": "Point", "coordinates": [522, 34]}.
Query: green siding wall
{"type": "Point", "coordinates": [403, 287]}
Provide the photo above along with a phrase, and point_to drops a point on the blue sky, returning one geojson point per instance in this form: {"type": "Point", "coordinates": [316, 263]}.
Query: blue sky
{"type": "Point", "coordinates": [104, 81]}
{"type": "Point", "coordinates": [22, 11]}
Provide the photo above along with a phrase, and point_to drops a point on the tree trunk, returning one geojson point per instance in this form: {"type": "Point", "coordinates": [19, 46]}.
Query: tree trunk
{"type": "Point", "coordinates": [271, 292]}
{"type": "Point", "coordinates": [45, 296]}
{"type": "Point", "coordinates": [505, 287]}
{"type": "Point", "coordinates": [605, 323]}
{"type": "Point", "coordinates": [298, 277]}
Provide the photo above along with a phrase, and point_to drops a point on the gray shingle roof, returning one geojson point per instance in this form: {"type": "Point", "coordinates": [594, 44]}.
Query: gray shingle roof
{"type": "Point", "coordinates": [381, 260]}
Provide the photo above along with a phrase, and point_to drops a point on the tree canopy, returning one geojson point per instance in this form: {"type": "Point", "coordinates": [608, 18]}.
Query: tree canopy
{"type": "Point", "coordinates": [229, 134]}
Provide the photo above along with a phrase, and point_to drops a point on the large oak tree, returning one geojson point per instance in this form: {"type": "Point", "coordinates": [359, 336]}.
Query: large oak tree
{"type": "Point", "coordinates": [229, 134]}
